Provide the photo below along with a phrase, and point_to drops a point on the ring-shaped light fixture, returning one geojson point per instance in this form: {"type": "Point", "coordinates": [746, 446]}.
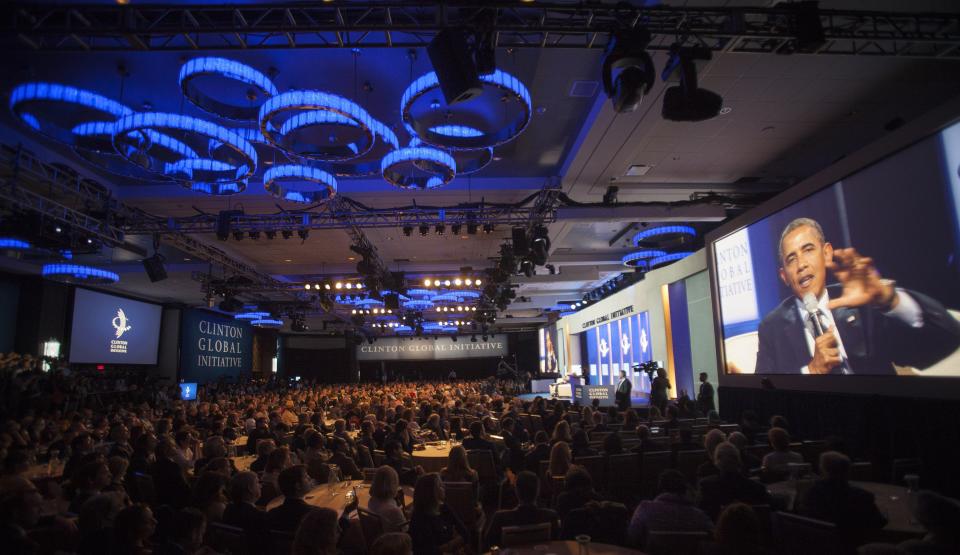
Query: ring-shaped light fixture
{"type": "Point", "coordinates": [311, 185]}
{"type": "Point", "coordinates": [85, 107]}
{"type": "Point", "coordinates": [418, 304]}
{"type": "Point", "coordinates": [432, 168]}
{"type": "Point", "coordinates": [267, 323]}
{"type": "Point", "coordinates": [75, 273]}
{"type": "Point", "coordinates": [640, 258]}
{"type": "Point", "coordinates": [95, 145]}
{"type": "Point", "coordinates": [253, 315]}
{"type": "Point", "coordinates": [663, 233]}
{"type": "Point", "coordinates": [431, 124]}
{"type": "Point", "coordinates": [423, 293]}
{"type": "Point", "coordinates": [369, 163]}
{"type": "Point", "coordinates": [468, 161]}
{"type": "Point", "coordinates": [278, 110]}
{"type": "Point", "coordinates": [196, 68]}
{"type": "Point", "coordinates": [237, 161]}
{"type": "Point", "coordinates": [218, 189]}
{"type": "Point", "coordinates": [668, 258]}
{"type": "Point", "coordinates": [15, 247]}
{"type": "Point", "coordinates": [369, 303]}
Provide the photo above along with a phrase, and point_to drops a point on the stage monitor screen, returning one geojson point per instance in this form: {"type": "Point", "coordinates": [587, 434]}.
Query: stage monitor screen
{"type": "Point", "coordinates": [108, 329]}
{"type": "Point", "coordinates": [548, 350]}
{"type": "Point", "coordinates": [861, 277]}
{"type": "Point", "coordinates": [188, 392]}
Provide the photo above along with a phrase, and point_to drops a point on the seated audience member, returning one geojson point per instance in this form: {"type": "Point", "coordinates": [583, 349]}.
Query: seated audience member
{"type": "Point", "coordinates": [561, 433]}
{"type": "Point", "coordinates": [89, 480]}
{"type": "Point", "coordinates": [132, 530]}
{"type": "Point", "coordinates": [261, 432]}
{"type": "Point", "coordinates": [458, 467]}
{"type": "Point", "coordinates": [577, 491]}
{"type": "Point", "coordinates": [318, 533]}
{"type": "Point", "coordinates": [776, 462]}
{"type": "Point", "coordinates": [434, 529]}
{"type": "Point", "coordinates": [670, 510]}
{"type": "Point", "coordinates": [294, 485]}
{"type": "Point", "coordinates": [630, 421]}
{"type": "Point", "coordinates": [710, 442]}
{"type": "Point", "coordinates": [513, 445]}
{"type": "Point", "coordinates": [598, 425]}
{"type": "Point", "coordinates": [341, 457]}
{"type": "Point", "coordinates": [210, 495]}
{"type": "Point", "coordinates": [96, 522]}
{"type": "Point", "coordinates": [750, 424]}
{"type": "Point", "coordinates": [603, 521]}
{"type": "Point", "coordinates": [778, 421]}
{"type": "Point", "coordinates": [560, 460]}
{"type": "Point", "coordinates": [243, 514]}
{"type": "Point", "coordinates": [393, 452]}
{"type": "Point", "coordinates": [264, 448]}
{"type": "Point", "coordinates": [730, 484]}
{"type": "Point", "coordinates": [612, 444]}
{"type": "Point", "coordinates": [187, 534]}
{"type": "Point", "coordinates": [383, 499]}
{"type": "Point", "coordinates": [401, 433]}
{"type": "Point", "coordinates": [940, 516]}
{"type": "Point", "coordinates": [833, 499]}
{"type": "Point", "coordinates": [392, 544]}
{"type": "Point", "coordinates": [539, 453]}
{"type": "Point", "coordinates": [643, 434]}
{"type": "Point", "coordinates": [748, 460]}
{"type": "Point", "coordinates": [213, 448]}
{"type": "Point", "coordinates": [581, 445]}
{"type": "Point", "coordinates": [737, 532]}
{"type": "Point", "coordinates": [169, 481]}
{"type": "Point", "coordinates": [477, 441]}
{"type": "Point", "coordinates": [144, 454]}
{"type": "Point", "coordinates": [20, 505]}
{"type": "Point", "coordinates": [526, 513]}
{"type": "Point", "coordinates": [433, 426]}
{"type": "Point", "coordinates": [117, 466]}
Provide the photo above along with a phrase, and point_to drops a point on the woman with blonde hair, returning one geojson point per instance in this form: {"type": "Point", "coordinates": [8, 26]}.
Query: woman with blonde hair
{"type": "Point", "coordinates": [560, 460]}
{"type": "Point", "coordinates": [561, 432]}
{"type": "Point", "coordinates": [458, 467]}
{"type": "Point", "coordinates": [383, 499]}
{"type": "Point", "coordinates": [318, 533]}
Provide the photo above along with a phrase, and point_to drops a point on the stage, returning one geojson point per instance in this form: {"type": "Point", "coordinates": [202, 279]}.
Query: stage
{"type": "Point", "coordinates": [641, 400]}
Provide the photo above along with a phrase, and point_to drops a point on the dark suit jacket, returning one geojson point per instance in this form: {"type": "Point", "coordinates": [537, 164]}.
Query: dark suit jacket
{"type": "Point", "coordinates": [723, 489]}
{"type": "Point", "coordinates": [852, 509]}
{"type": "Point", "coordinates": [287, 516]}
{"type": "Point", "coordinates": [170, 484]}
{"type": "Point", "coordinates": [347, 466]}
{"type": "Point", "coordinates": [532, 460]}
{"type": "Point", "coordinates": [476, 444]}
{"type": "Point", "coordinates": [523, 515]}
{"type": "Point", "coordinates": [872, 340]}
{"type": "Point", "coordinates": [623, 392]}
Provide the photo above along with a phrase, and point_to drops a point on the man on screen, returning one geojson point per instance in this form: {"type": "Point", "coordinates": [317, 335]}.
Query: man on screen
{"type": "Point", "coordinates": [862, 325]}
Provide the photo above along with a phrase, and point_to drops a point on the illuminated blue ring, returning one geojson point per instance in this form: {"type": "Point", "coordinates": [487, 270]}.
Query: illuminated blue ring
{"type": "Point", "coordinates": [639, 258]}
{"type": "Point", "coordinates": [468, 161]}
{"type": "Point", "coordinates": [369, 164]}
{"type": "Point", "coordinates": [667, 258]}
{"type": "Point", "coordinates": [229, 69]}
{"type": "Point", "coordinates": [14, 244]}
{"type": "Point", "coordinates": [648, 234]}
{"type": "Point", "coordinates": [418, 304]}
{"type": "Point", "coordinates": [55, 92]}
{"type": "Point", "coordinates": [251, 315]}
{"type": "Point", "coordinates": [74, 273]}
{"type": "Point", "coordinates": [151, 121]}
{"type": "Point", "coordinates": [444, 164]}
{"type": "Point", "coordinates": [217, 189]}
{"type": "Point", "coordinates": [425, 293]}
{"type": "Point", "coordinates": [369, 303]}
{"type": "Point", "coordinates": [428, 83]}
{"type": "Point", "coordinates": [309, 101]}
{"type": "Point", "coordinates": [267, 323]}
{"type": "Point", "coordinates": [326, 183]}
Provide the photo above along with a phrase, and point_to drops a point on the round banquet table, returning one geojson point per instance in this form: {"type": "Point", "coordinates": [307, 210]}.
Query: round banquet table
{"type": "Point", "coordinates": [433, 458]}
{"type": "Point", "coordinates": [891, 500]}
{"type": "Point", "coordinates": [243, 462]}
{"type": "Point", "coordinates": [567, 548]}
{"type": "Point", "coordinates": [334, 496]}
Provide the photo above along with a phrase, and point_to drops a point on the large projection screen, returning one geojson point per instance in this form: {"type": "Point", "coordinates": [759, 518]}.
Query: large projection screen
{"type": "Point", "coordinates": [108, 329]}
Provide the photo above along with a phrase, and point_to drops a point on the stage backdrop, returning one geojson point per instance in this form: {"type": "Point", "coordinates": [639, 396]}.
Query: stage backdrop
{"type": "Point", "coordinates": [402, 348]}
{"type": "Point", "coordinates": [213, 345]}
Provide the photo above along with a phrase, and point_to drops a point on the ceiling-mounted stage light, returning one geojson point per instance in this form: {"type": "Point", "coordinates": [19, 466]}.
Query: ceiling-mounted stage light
{"type": "Point", "coordinates": [271, 234]}
{"type": "Point", "coordinates": [472, 228]}
{"type": "Point", "coordinates": [254, 234]}
{"type": "Point", "coordinates": [628, 71]}
{"type": "Point", "coordinates": [300, 184]}
{"type": "Point", "coordinates": [488, 228]}
{"type": "Point", "coordinates": [640, 259]}
{"type": "Point", "coordinates": [686, 101]}
{"type": "Point", "coordinates": [303, 233]}
{"type": "Point", "coordinates": [407, 230]}
{"type": "Point", "coordinates": [312, 118]}
{"type": "Point", "coordinates": [432, 168]}
{"type": "Point", "coordinates": [424, 230]}
{"type": "Point", "coordinates": [272, 323]}
{"type": "Point", "coordinates": [664, 235]}
{"type": "Point", "coordinates": [468, 161]}
{"type": "Point", "coordinates": [286, 233]}
{"type": "Point", "coordinates": [668, 258]}
{"type": "Point", "coordinates": [540, 246]}
{"type": "Point", "coordinates": [454, 66]}
{"type": "Point", "coordinates": [455, 229]}
{"type": "Point", "coordinates": [238, 236]}
{"type": "Point", "coordinates": [153, 265]}
{"type": "Point", "coordinates": [527, 267]}
{"type": "Point", "coordinates": [75, 273]}
{"type": "Point", "coordinates": [440, 229]}
{"type": "Point", "coordinates": [193, 72]}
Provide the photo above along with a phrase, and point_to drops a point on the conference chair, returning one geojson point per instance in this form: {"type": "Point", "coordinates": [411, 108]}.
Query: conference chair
{"type": "Point", "coordinates": [653, 463]}
{"type": "Point", "coordinates": [811, 451]}
{"type": "Point", "coordinates": [799, 535]}
{"type": "Point", "coordinates": [371, 525]}
{"type": "Point", "coordinates": [623, 475]}
{"type": "Point", "coordinates": [226, 539]}
{"type": "Point", "coordinates": [462, 500]}
{"type": "Point", "coordinates": [689, 461]}
{"type": "Point", "coordinates": [379, 457]}
{"type": "Point", "coordinates": [675, 542]}
{"type": "Point", "coordinates": [536, 422]}
{"type": "Point", "coordinates": [511, 536]}
{"type": "Point", "coordinates": [861, 471]}
{"type": "Point", "coordinates": [281, 542]}
{"type": "Point", "coordinates": [595, 466]}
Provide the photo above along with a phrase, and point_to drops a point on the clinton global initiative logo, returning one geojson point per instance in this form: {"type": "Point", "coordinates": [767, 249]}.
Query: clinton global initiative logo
{"type": "Point", "coordinates": [644, 343]}
{"type": "Point", "coordinates": [604, 348]}
{"type": "Point", "coordinates": [120, 326]}
{"type": "Point", "coordinates": [624, 343]}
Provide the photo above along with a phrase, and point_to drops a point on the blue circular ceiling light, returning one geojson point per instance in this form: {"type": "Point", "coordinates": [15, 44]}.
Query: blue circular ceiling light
{"type": "Point", "coordinates": [668, 258]}
{"type": "Point", "coordinates": [497, 116]}
{"type": "Point", "coordinates": [251, 316]}
{"type": "Point", "coordinates": [236, 161]}
{"type": "Point", "coordinates": [83, 106]}
{"type": "Point", "coordinates": [369, 163]}
{"type": "Point", "coordinates": [418, 168]}
{"type": "Point", "coordinates": [657, 236]}
{"type": "Point", "coordinates": [194, 71]}
{"type": "Point", "coordinates": [319, 125]}
{"type": "Point", "coordinates": [468, 161]}
{"type": "Point", "coordinates": [75, 273]}
{"type": "Point", "coordinates": [640, 258]}
{"type": "Point", "coordinates": [417, 304]}
{"type": "Point", "coordinates": [218, 189]}
{"type": "Point", "coordinates": [273, 323]}
{"type": "Point", "coordinates": [301, 184]}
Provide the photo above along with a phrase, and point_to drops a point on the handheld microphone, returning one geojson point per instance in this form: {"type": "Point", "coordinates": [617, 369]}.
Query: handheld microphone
{"type": "Point", "coordinates": [810, 303]}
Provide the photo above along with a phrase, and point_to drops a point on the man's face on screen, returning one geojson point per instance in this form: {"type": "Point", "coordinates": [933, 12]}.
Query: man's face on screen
{"type": "Point", "coordinates": [803, 258]}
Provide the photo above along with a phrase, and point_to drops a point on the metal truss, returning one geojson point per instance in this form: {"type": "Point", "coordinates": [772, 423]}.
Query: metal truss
{"type": "Point", "coordinates": [412, 24]}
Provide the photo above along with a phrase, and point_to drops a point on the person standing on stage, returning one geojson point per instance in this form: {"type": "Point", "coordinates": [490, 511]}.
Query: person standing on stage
{"type": "Point", "coordinates": [658, 390]}
{"type": "Point", "coordinates": [705, 397]}
{"type": "Point", "coordinates": [623, 392]}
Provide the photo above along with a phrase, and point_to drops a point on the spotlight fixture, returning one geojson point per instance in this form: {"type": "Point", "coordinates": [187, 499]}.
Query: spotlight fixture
{"type": "Point", "coordinates": [472, 229]}
{"type": "Point", "coordinates": [440, 229]}
{"type": "Point", "coordinates": [455, 229]}
{"type": "Point", "coordinates": [286, 233]}
{"type": "Point", "coordinates": [688, 102]}
{"type": "Point", "coordinates": [255, 235]}
{"type": "Point", "coordinates": [454, 65]}
{"type": "Point", "coordinates": [424, 230]}
{"type": "Point", "coordinates": [238, 236]}
{"type": "Point", "coordinates": [626, 56]}
{"type": "Point", "coordinates": [303, 233]}
{"type": "Point", "coordinates": [154, 267]}
{"type": "Point", "coordinates": [488, 228]}
{"type": "Point", "coordinates": [271, 234]}
{"type": "Point", "coordinates": [407, 230]}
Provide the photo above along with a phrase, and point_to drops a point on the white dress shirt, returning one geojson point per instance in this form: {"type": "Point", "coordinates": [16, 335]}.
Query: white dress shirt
{"type": "Point", "coordinates": [907, 311]}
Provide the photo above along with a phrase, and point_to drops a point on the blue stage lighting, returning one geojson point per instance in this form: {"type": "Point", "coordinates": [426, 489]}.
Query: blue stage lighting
{"type": "Point", "coordinates": [416, 304]}
{"type": "Point", "coordinates": [218, 189]}
{"type": "Point", "coordinates": [640, 258]}
{"type": "Point", "coordinates": [251, 315]}
{"type": "Point", "coordinates": [14, 244]}
{"type": "Point", "coordinates": [441, 165]}
{"type": "Point", "coordinates": [662, 232]}
{"type": "Point", "coordinates": [81, 101]}
{"type": "Point", "coordinates": [276, 111]}
{"type": "Point", "coordinates": [369, 163]}
{"type": "Point", "coordinates": [267, 323]}
{"type": "Point", "coordinates": [668, 258]}
{"type": "Point", "coordinates": [228, 69]}
{"type": "Point", "coordinates": [74, 273]}
{"type": "Point", "coordinates": [320, 186]}
{"type": "Point", "coordinates": [427, 125]}
{"type": "Point", "coordinates": [468, 161]}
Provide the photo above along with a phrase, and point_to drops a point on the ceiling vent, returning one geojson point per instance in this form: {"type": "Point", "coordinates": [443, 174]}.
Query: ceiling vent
{"type": "Point", "coordinates": [637, 170]}
{"type": "Point", "coordinates": [584, 89]}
